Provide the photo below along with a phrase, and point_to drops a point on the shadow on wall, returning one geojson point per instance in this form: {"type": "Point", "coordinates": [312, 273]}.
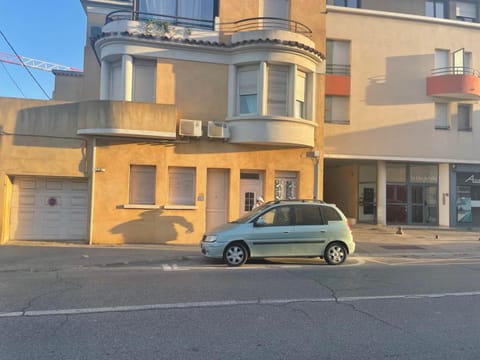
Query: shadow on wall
{"type": "Point", "coordinates": [404, 82]}
{"type": "Point", "coordinates": [152, 228]}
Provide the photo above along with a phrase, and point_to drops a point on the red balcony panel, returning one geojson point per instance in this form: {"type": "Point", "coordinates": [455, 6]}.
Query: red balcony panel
{"type": "Point", "coordinates": [336, 84]}
{"type": "Point", "coordinates": [455, 86]}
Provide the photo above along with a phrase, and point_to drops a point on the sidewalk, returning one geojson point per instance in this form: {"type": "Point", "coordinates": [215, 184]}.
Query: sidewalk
{"type": "Point", "coordinates": [387, 241]}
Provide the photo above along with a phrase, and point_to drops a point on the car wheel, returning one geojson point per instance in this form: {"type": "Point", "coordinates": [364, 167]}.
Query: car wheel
{"type": "Point", "coordinates": [235, 254]}
{"type": "Point", "coordinates": [335, 254]}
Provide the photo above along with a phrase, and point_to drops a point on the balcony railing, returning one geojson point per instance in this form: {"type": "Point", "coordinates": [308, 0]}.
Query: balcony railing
{"type": "Point", "coordinates": [228, 28]}
{"type": "Point", "coordinates": [167, 19]}
{"type": "Point", "coordinates": [455, 70]}
{"type": "Point", "coordinates": [337, 69]}
{"type": "Point", "coordinates": [265, 23]}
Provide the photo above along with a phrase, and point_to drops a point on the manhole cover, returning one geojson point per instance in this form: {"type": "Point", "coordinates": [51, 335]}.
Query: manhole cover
{"type": "Point", "coordinates": [402, 247]}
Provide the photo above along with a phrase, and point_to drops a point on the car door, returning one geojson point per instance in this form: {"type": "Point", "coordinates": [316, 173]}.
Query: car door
{"type": "Point", "coordinates": [273, 233]}
{"type": "Point", "coordinates": [311, 230]}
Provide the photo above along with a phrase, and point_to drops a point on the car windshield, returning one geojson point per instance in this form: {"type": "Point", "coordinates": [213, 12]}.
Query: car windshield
{"type": "Point", "coordinates": [248, 216]}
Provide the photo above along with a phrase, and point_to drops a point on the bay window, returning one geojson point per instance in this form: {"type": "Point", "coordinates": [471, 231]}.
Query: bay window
{"type": "Point", "coordinates": [277, 90]}
{"type": "Point", "coordinates": [247, 90]}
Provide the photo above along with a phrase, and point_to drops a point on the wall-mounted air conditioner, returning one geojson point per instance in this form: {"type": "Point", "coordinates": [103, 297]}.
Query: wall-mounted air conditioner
{"type": "Point", "coordinates": [218, 130]}
{"type": "Point", "coordinates": [190, 128]}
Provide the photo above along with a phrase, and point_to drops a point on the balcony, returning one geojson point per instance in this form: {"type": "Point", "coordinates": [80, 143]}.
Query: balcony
{"type": "Point", "coordinates": [272, 131]}
{"type": "Point", "coordinates": [337, 80]}
{"type": "Point", "coordinates": [455, 83]}
{"type": "Point", "coordinates": [126, 119]}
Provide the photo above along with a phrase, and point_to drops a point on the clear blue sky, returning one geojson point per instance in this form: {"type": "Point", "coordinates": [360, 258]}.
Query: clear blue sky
{"type": "Point", "coordinates": [48, 30]}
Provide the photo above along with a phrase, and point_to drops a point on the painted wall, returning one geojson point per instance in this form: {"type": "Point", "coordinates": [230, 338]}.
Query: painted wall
{"type": "Point", "coordinates": [390, 113]}
{"type": "Point", "coordinates": [342, 184]}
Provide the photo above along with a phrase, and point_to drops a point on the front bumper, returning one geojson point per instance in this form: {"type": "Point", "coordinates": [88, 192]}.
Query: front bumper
{"type": "Point", "coordinates": [212, 249]}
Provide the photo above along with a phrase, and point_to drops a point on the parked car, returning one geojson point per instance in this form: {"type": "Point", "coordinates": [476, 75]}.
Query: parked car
{"type": "Point", "coordinates": [283, 228]}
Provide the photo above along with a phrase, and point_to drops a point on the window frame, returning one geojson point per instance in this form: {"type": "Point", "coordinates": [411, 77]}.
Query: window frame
{"type": "Point", "coordinates": [330, 101]}
{"type": "Point", "coordinates": [180, 195]}
{"type": "Point", "coordinates": [469, 114]}
{"type": "Point", "coordinates": [442, 121]}
{"type": "Point", "coordinates": [434, 9]}
{"type": "Point", "coordinates": [139, 175]}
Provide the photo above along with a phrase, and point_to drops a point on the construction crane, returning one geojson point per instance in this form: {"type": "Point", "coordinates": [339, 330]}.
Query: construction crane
{"type": "Point", "coordinates": [34, 63]}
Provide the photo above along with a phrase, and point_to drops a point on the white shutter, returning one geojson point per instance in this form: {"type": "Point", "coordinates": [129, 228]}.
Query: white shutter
{"type": "Point", "coordinates": [466, 9]}
{"type": "Point", "coordinates": [441, 116]}
{"type": "Point", "coordinates": [300, 89]}
{"type": "Point", "coordinates": [247, 80]}
{"type": "Point", "coordinates": [142, 184]}
{"type": "Point", "coordinates": [277, 90]}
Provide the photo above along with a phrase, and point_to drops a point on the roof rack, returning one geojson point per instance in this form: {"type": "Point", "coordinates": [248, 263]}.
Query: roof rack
{"type": "Point", "coordinates": [300, 200]}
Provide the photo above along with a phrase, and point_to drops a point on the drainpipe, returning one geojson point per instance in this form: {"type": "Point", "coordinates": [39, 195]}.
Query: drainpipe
{"type": "Point", "coordinates": [92, 189]}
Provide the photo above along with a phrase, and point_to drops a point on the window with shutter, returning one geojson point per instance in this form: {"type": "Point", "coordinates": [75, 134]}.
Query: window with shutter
{"type": "Point", "coordinates": [142, 184]}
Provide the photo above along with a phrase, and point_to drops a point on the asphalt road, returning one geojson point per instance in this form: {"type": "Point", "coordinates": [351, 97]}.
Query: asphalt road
{"type": "Point", "coordinates": [83, 303]}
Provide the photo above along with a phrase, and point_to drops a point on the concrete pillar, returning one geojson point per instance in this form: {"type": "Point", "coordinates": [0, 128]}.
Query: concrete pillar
{"type": "Point", "coordinates": [105, 70]}
{"type": "Point", "coordinates": [444, 195]}
{"type": "Point", "coordinates": [381, 192]}
{"type": "Point", "coordinates": [127, 77]}
{"type": "Point", "coordinates": [261, 86]}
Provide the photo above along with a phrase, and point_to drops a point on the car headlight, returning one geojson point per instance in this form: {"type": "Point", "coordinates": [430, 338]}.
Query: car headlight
{"type": "Point", "coordinates": [210, 238]}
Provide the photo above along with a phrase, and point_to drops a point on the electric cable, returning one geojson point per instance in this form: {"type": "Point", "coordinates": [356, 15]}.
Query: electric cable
{"type": "Point", "coordinates": [13, 80]}
{"type": "Point", "coordinates": [23, 64]}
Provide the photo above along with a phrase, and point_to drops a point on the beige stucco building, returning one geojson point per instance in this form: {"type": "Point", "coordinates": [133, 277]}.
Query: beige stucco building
{"type": "Point", "coordinates": [402, 113]}
{"type": "Point", "coordinates": [181, 118]}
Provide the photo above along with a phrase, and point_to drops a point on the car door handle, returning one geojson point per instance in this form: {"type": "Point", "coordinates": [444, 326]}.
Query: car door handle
{"type": "Point", "coordinates": [323, 231]}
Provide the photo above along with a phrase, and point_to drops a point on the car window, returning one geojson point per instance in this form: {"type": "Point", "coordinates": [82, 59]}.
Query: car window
{"type": "Point", "coordinates": [330, 214]}
{"type": "Point", "coordinates": [308, 215]}
{"type": "Point", "coordinates": [278, 216]}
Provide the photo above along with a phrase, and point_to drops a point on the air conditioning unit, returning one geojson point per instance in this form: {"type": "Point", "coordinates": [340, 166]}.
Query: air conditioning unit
{"type": "Point", "coordinates": [190, 128]}
{"type": "Point", "coordinates": [218, 130]}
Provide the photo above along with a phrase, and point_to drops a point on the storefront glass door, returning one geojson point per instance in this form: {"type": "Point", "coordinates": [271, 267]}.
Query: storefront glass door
{"type": "Point", "coordinates": [423, 204]}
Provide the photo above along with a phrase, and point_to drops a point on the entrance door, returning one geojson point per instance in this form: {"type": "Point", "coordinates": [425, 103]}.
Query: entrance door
{"type": "Point", "coordinates": [217, 197]}
{"type": "Point", "coordinates": [367, 202]}
{"type": "Point", "coordinates": [250, 188]}
{"type": "Point", "coordinates": [424, 204]}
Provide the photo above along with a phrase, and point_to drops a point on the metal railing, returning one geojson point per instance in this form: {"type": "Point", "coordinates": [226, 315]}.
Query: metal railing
{"type": "Point", "coordinates": [455, 70]}
{"type": "Point", "coordinates": [265, 23]}
{"type": "Point", "coordinates": [228, 28]}
{"type": "Point", "coordinates": [337, 69]}
{"type": "Point", "coordinates": [167, 19]}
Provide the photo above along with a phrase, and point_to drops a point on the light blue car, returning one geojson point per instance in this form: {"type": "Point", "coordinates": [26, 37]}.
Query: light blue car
{"type": "Point", "coordinates": [283, 228]}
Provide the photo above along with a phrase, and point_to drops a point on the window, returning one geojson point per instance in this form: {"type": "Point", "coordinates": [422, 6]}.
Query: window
{"type": "Point", "coordinates": [191, 9]}
{"type": "Point", "coordinates": [442, 116]}
{"type": "Point", "coordinates": [308, 215]}
{"type": "Point", "coordinates": [144, 81]}
{"type": "Point", "coordinates": [337, 109]}
{"type": "Point", "coordinates": [435, 8]}
{"type": "Point", "coordinates": [345, 3]}
{"type": "Point", "coordinates": [279, 216]}
{"type": "Point", "coordinates": [442, 61]}
{"type": "Point", "coordinates": [464, 117]}
{"type": "Point", "coordinates": [286, 184]}
{"type": "Point", "coordinates": [338, 57]}
{"type": "Point", "coordinates": [277, 90]}
{"type": "Point", "coordinates": [330, 214]}
{"type": "Point", "coordinates": [300, 87]}
{"type": "Point", "coordinates": [247, 90]}
{"type": "Point", "coordinates": [115, 90]}
{"type": "Point", "coordinates": [142, 184]}
{"type": "Point", "coordinates": [181, 186]}
{"type": "Point", "coordinates": [466, 11]}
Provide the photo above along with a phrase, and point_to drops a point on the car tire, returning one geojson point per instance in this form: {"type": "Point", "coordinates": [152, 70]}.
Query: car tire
{"type": "Point", "coordinates": [335, 253]}
{"type": "Point", "coordinates": [235, 254]}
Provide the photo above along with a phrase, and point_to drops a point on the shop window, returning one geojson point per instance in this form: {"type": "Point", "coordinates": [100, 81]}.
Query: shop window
{"type": "Point", "coordinates": [337, 109]}
{"type": "Point", "coordinates": [247, 90]}
{"type": "Point", "coordinates": [464, 114]}
{"type": "Point", "coordinates": [181, 186]}
{"type": "Point", "coordinates": [435, 8]}
{"type": "Point", "coordinates": [442, 116]}
{"type": "Point", "coordinates": [142, 184]}
{"type": "Point", "coordinates": [424, 174]}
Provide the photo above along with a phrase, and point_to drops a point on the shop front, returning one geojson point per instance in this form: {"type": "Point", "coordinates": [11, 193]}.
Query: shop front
{"type": "Point", "coordinates": [465, 182]}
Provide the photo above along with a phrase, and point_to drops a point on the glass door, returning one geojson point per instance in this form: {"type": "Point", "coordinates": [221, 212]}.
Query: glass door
{"type": "Point", "coordinates": [424, 204]}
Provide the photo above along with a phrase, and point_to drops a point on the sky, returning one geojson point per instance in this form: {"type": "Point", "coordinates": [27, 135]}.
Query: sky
{"type": "Point", "coordinates": [47, 30]}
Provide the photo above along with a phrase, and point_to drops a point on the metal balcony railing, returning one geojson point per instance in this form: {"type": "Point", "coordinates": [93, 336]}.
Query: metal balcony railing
{"type": "Point", "coordinates": [337, 69]}
{"type": "Point", "coordinates": [167, 19]}
{"type": "Point", "coordinates": [455, 70]}
{"type": "Point", "coordinates": [265, 23]}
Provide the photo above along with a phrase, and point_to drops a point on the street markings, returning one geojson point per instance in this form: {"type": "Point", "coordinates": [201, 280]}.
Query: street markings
{"type": "Point", "coordinates": [230, 303]}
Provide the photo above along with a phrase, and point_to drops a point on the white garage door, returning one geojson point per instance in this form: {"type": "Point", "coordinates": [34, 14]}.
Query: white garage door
{"type": "Point", "coordinates": [48, 209]}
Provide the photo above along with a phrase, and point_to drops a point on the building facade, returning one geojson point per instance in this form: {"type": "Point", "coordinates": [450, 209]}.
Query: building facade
{"type": "Point", "coordinates": [401, 111]}
{"type": "Point", "coordinates": [184, 114]}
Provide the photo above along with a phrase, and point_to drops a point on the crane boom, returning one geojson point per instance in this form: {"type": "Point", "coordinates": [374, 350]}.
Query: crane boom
{"type": "Point", "coordinates": [34, 63]}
